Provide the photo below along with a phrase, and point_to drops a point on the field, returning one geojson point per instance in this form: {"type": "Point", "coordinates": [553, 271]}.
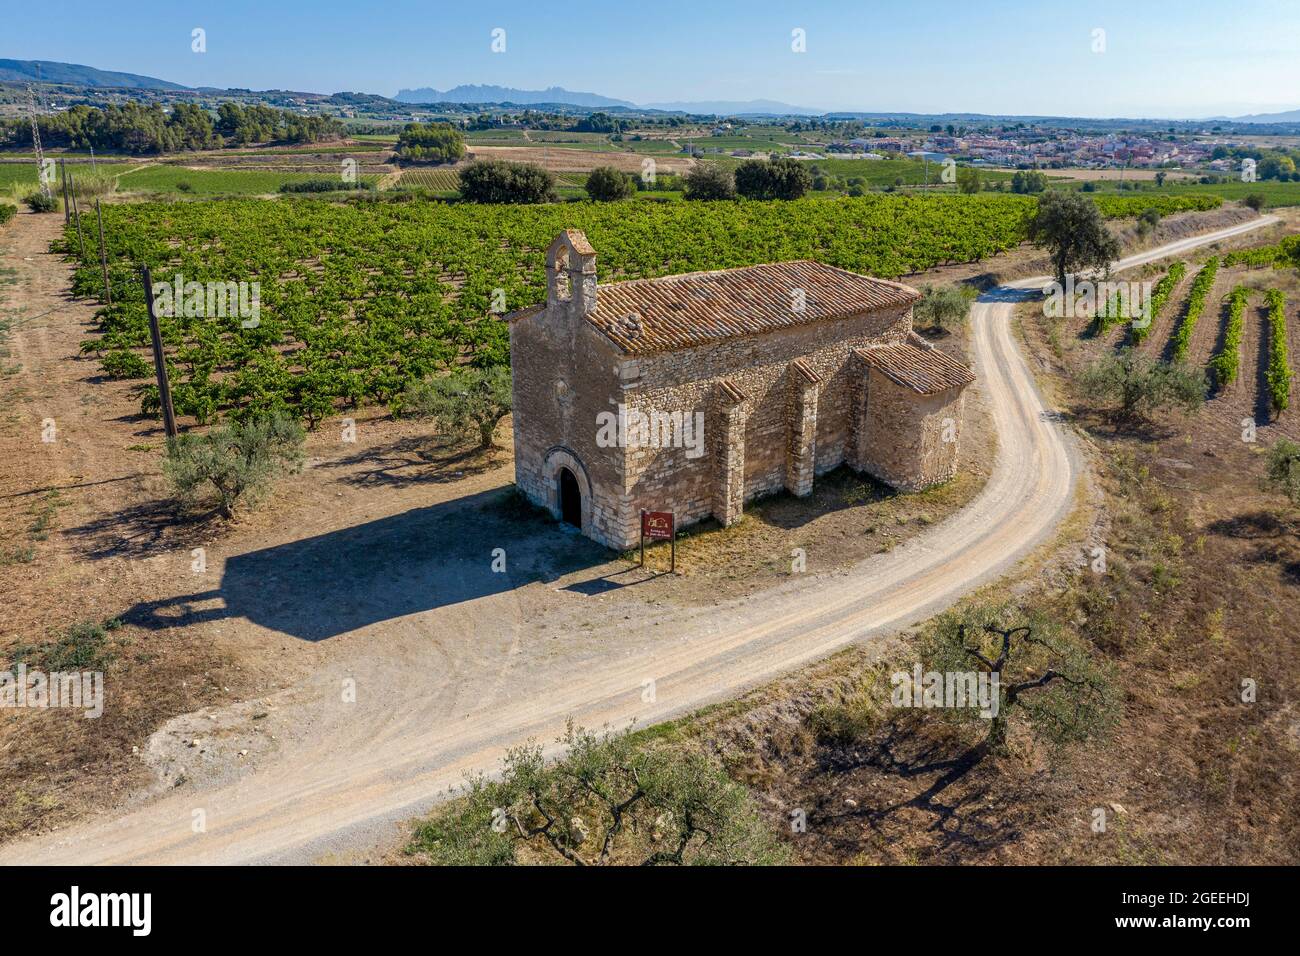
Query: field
{"type": "Point", "coordinates": [214, 182]}
{"type": "Point", "coordinates": [1275, 193]}
{"type": "Point", "coordinates": [359, 299]}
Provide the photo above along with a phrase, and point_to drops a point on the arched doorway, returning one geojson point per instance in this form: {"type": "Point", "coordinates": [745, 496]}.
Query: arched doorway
{"type": "Point", "coordinates": [570, 499]}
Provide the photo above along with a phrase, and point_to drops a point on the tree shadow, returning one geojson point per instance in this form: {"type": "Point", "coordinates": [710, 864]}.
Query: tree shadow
{"type": "Point", "coordinates": [413, 460]}
{"type": "Point", "coordinates": [142, 530]}
{"type": "Point", "coordinates": [962, 815]}
{"type": "Point", "coordinates": [1275, 540]}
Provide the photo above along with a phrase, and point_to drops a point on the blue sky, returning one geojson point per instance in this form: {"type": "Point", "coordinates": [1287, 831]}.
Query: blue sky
{"type": "Point", "coordinates": [1162, 58]}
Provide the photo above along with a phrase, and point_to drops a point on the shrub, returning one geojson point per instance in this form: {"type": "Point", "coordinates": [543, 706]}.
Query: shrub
{"type": "Point", "coordinates": [1284, 468]}
{"type": "Point", "coordinates": [240, 461]}
{"type": "Point", "coordinates": [39, 202]}
{"type": "Point", "coordinates": [1256, 201]}
{"type": "Point", "coordinates": [123, 363]}
{"type": "Point", "coordinates": [323, 186]}
{"type": "Point", "coordinates": [468, 402]}
{"type": "Point", "coordinates": [710, 181]}
{"type": "Point", "coordinates": [607, 184]}
{"type": "Point", "coordinates": [498, 181]}
{"type": "Point", "coordinates": [1136, 385]}
{"type": "Point", "coordinates": [7, 212]}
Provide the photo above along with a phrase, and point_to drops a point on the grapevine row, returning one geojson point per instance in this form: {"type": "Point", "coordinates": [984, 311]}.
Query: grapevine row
{"type": "Point", "coordinates": [1201, 287]}
{"type": "Point", "coordinates": [1159, 296]}
{"type": "Point", "coordinates": [1227, 361]}
{"type": "Point", "coordinates": [1279, 372]}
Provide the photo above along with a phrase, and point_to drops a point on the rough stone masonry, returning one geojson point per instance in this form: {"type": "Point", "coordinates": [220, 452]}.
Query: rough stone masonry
{"type": "Point", "coordinates": [697, 393]}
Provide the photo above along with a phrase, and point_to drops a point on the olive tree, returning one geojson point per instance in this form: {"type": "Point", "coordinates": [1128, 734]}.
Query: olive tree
{"type": "Point", "coordinates": [609, 800]}
{"type": "Point", "coordinates": [1048, 678]}
{"type": "Point", "coordinates": [1284, 468]}
{"type": "Point", "coordinates": [239, 461]}
{"type": "Point", "coordinates": [1135, 386]}
{"type": "Point", "coordinates": [467, 402]}
{"type": "Point", "coordinates": [1070, 227]}
{"type": "Point", "coordinates": [944, 307]}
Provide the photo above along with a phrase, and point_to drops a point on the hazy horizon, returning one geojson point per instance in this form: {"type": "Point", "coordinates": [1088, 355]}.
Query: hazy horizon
{"type": "Point", "coordinates": [1163, 61]}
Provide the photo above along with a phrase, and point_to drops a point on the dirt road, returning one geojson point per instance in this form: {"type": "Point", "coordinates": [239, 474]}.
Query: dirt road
{"type": "Point", "coordinates": [410, 736]}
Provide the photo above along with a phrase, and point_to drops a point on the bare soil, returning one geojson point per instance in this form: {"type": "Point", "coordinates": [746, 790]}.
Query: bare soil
{"type": "Point", "coordinates": [1202, 585]}
{"type": "Point", "coordinates": [87, 516]}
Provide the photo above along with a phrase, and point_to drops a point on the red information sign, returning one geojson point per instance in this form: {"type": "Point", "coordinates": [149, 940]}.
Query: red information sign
{"type": "Point", "coordinates": [657, 525]}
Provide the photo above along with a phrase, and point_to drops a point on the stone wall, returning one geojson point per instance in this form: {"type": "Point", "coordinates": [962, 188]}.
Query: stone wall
{"type": "Point", "coordinates": [910, 441]}
{"type": "Point", "coordinates": [564, 375]}
{"type": "Point", "coordinates": [760, 367]}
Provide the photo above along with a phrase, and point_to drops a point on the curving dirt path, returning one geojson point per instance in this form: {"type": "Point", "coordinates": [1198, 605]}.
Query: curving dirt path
{"type": "Point", "coordinates": [389, 758]}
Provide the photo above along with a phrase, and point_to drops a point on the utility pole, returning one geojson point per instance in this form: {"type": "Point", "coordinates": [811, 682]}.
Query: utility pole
{"type": "Point", "coordinates": [36, 144]}
{"type": "Point", "coordinates": [159, 361]}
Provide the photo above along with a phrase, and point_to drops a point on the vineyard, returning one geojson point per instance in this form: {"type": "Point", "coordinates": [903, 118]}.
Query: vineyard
{"type": "Point", "coordinates": [357, 299]}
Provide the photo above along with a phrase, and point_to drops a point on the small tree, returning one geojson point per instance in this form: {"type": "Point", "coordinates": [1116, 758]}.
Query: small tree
{"type": "Point", "coordinates": [1284, 468]}
{"type": "Point", "coordinates": [710, 181]}
{"type": "Point", "coordinates": [607, 184]}
{"type": "Point", "coordinates": [240, 461]}
{"type": "Point", "coordinates": [497, 181]}
{"type": "Point", "coordinates": [1256, 201]}
{"type": "Point", "coordinates": [430, 143]}
{"type": "Point", "coordinates": [1071, 228]}
{"type": "Point", "coordinates": [1137, 386]}
{"type": "Point", "coordinates": [944, 307]}
{"type": "Point", "coordinates": [1028, 181]}
{"type": "Point", "coordinates": [772, 179]}
{"type": "Point", "coordinates": [608, 801]}
{"type": "Point", "coordinates": [1047, 677]}
{"type": "Point", "coordinates": [968, 179]}
{"type": "Point", "coordinates": [468, 402]}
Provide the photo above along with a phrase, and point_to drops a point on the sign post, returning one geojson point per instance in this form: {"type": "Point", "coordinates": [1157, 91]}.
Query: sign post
{"type": "Point", "coordinates": [659, 526]}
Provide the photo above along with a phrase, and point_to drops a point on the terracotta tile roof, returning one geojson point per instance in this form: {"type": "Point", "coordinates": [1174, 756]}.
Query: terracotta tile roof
{"type": "Point", "coordinates": [806, 370]}
{"type": "Point", "coordinates": [923, 370]}
{"type": "Point", "coordinates": [643, 316]}
{"type": "Point", "coordinates": [732, 391]}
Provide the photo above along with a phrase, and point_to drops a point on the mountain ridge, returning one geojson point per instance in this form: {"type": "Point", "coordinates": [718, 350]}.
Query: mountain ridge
{"type": "Point", "coordinates": [76, 74]}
